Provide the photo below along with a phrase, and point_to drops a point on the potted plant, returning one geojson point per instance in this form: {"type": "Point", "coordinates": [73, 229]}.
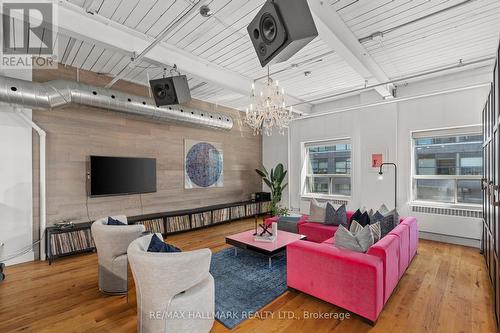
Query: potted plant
{"type": "Point", "coordinates": [274, 180]}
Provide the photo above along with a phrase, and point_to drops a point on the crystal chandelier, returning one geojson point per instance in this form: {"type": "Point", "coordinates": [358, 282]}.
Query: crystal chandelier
{"type": "Point", "coordinates": [267, 109]}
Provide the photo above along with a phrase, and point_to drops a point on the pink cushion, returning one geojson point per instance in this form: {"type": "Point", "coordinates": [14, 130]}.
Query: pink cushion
{"type": "Point", "coordinates": [351, 280]}
{"type": "Point", "coordinates": [387, 249]}
{"type": "Point", "coordinates": [411, 222]}
{"type": "Point", "coordinates": [403, 232]}
{"type": "Point", "coordinates": [317, 232]}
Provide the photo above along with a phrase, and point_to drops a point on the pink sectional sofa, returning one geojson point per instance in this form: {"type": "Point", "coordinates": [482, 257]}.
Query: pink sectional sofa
{"type": "Point", "coordinates": [315, 232]}
{"type": "Point", "coordinates": [359, 282]}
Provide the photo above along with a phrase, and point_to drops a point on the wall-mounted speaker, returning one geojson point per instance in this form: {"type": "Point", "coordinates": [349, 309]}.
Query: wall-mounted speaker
{"type": "Point", "coordinates": [281, 29]}
{"type": "Point", "coordinates": [170, 90]}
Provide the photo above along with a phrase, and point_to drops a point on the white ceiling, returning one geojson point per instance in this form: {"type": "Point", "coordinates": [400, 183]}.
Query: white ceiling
{"type": "Point", "coordinates": [467, 32]}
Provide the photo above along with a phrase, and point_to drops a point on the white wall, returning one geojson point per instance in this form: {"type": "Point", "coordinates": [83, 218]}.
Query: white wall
{"type": "Point", "coordinates": [272, 154]}
{"type": "Point", "coordinates": [16, 199]}
{"type": "Point", "coordinates": [387, 129]}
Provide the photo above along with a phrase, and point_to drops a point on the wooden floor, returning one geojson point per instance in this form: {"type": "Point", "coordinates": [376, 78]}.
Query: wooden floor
{"type": "Point", "coordinates": [445, 289]}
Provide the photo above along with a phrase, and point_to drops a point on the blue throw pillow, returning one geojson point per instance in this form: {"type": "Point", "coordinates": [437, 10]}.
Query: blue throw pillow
{"type": "Point", "coordinates": [387, 222]}
{"type": "Point", "coordinates": [336, 216]}
{"type": "Point", "coordinates": [112, 221]}
{"type": "Point", "coordinates": [157, 245]}
{"type": "Point", "coordinates": [376, 217]}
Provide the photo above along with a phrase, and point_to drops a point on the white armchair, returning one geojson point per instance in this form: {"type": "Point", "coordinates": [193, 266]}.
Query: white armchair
{"type": "Point", "coordinates": [111, 243]}
{"type": "Point", "coordinates": [175, 291]}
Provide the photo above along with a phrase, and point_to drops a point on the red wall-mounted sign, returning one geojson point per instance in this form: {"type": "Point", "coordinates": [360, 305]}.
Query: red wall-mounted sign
{"type": "Point", "coordinates": [377, 160]}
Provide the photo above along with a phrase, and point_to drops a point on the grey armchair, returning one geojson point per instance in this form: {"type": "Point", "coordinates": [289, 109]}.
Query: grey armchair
{"type": "Point", "coordinates": [111, 242]}
{"type": "Point", "coordinates": [175, 291]}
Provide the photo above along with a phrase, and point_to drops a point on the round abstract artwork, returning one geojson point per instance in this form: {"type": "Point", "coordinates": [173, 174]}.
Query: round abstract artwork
{"type": "Point", "coordinates": [204, 164]}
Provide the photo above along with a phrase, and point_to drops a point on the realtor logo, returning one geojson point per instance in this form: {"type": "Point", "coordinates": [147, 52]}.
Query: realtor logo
{"type": "Point", "coordinates": [28, 34]}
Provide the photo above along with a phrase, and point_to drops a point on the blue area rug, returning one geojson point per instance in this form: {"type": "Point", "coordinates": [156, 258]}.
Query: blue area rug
{"type": "Point", "coordinates": [244, 284]}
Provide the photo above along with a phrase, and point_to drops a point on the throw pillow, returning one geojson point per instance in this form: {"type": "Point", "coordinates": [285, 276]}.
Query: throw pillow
{"type": "Point", "coordinates": [112, 221]}
{"type": "Point", "coordinates": [157, 245]}
{"type": "Point", "coordinates": [364, 219]}
{"type": "Point", "coordinates": [395, 214]}
{"type": "Point", "coordinates": [376, 217]}
{"type": "Point", "coordinates": [317, 212]}
{"type": "Point", "coordinates": [386, 225]}
{"type": "Point", "coordinates": [346, 240]}
{"type": "Point", "coordinates": [383, 209]}
{"type": "Point", "coordinates": [336, 216]}
{"type": "Point", "coordinates": [356, 216]}
{"type": "Point", "coordinates": [355, 227]}
{"type": "Point", "coordinates": [376, 231]}
{"type": "Point", "coordinates": [374, 228]}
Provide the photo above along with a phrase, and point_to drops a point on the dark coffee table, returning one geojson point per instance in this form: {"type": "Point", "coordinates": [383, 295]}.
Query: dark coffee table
{"type": "Point", "coordinates": [244, 240]}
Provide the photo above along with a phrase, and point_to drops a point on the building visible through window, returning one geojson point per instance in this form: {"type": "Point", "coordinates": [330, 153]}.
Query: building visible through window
{"type": "Point", "coordinates": [448, 169]}
{"type": "Point", "coordinates": [328, 168]}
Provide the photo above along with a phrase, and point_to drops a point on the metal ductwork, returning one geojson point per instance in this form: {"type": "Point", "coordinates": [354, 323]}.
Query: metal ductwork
{"type": "Point", "coordinates": [58, 93]}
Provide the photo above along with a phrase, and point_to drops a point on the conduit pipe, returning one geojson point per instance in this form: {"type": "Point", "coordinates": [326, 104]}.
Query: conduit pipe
{"type": "Point", "coordinates": [394, 100]}
{"type": "Point", "coordinates": [58, 93]}
{"type": "Point", "coordinates": [410, 77]}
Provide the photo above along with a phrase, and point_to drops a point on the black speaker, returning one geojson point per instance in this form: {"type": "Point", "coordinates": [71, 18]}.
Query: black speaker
{"type": "Point", "coordinates": [280, 29]}
{"type": "Point", "coordinates": [2, 275]}
{"type": "Point", "coordinates": [170, 90]}
{"type": "Point", "coordinates": [262, 196]}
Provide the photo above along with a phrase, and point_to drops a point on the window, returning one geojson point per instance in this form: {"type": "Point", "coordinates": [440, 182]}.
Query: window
{"type": "Point", "coordinates": [328, 168]}
{"type": "Point", "coordinates": [448, 167]}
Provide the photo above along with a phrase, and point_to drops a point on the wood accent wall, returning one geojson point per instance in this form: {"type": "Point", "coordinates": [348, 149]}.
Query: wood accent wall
{"type": "Point", "coordinates": [76, 132]}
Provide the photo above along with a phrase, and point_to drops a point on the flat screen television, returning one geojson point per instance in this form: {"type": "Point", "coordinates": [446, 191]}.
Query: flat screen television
{"type": "Point", "coordinates": [121, 175]}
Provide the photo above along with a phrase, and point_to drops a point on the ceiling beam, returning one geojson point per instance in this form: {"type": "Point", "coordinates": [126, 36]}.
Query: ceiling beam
{"type": "Point", "coordinates": [75, 22]}
{"type": "Point", "coordinates": [194, 8]}
{"type": "Point", "coordinates": [333, 31]}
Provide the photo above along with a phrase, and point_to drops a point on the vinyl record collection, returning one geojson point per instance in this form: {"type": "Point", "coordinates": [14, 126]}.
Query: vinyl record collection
{"type": "Point", "coordinates": [252, 209]}
{"type": "Point", "coordinates": [238, 212]}
{"type": "Point", "coordinates": [220, 215]}
{"type": "Point", "coordinates": [72, 241]}
{"type": "Point", "coordinates": [201, 219]}
{"type": "Point", "coordinates": [189, 219]}
{"type": "Point", "coordinates": [178, 223]}
{"type": "Point", "coordinates": [155, 225]}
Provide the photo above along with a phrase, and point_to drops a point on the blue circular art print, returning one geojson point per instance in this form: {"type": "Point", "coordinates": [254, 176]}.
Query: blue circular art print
{"type": "Point", "coordinates": [204, 164]}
